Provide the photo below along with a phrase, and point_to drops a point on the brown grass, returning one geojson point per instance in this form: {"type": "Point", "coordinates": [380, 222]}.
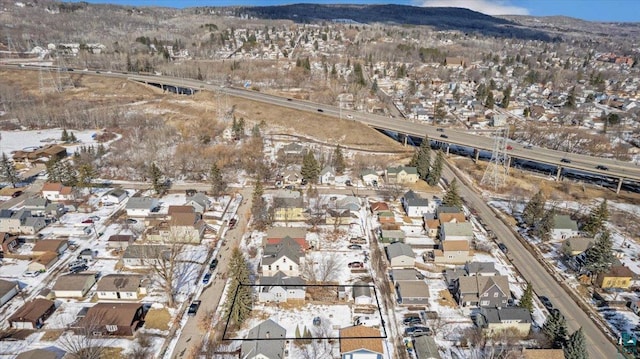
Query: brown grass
{"type": "Point", "coordinates": [52, 335]}
{"type": "Point", "coordinates": [446, 299]}
{"type": "Point", "coordinates": [157, 319]}
{"type": "Point", "coordinates": [113, 353]}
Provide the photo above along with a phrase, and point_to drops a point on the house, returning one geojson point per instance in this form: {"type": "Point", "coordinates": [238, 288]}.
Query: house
{"type": "Point", "coordinates": [455, 62]}
{"type": "Point", "coordinates": [32, 225]}
{"type": "Point", "coordinates": [563, 227]}
{"type": "Point", "coordinates": [143, 254]}
{"type": "Point", "coordinates": [453, 252]}
{"type": "Point", "coordinates": [44, 353]}
{"type": "Point", "coordinates": [41, 154]}
{"type": "Point", "coordinates": [351, 203]}
{"type": "Point", "coordinates": [43, 262]}
{"type": "Point", "coordinates": [400, 255]}
{"type": "Point", "coordinates": [276, 234]}
{"type": "Point", "coordinates": [444, 217]}
{"type": "Point", "coordinates": [425, 347]}
{"type": "Point", "coordinates": [200, 202]}
{"type": "Point", "coordinates": [327, 175]}
{"type": "Point", "coordinates": [286, 257]}
{"type": "Point", "coordinates": [413, 292]}
{"type": "Point", "coordinates": [446, 209]}
{"type": "Point", "coordinates": [32, 314]}
{"type": "Point", "coordinates": [338, 216]}
{"type": "Point", "coordinates": [402, 175]}
{"type": "Point", "coordinates": [121, 286]}
{"type": "Point", "coordinates": [379, 207]}
{"type": "Point", "coordinates": [480, 268]}
{"type": "Point", "coordinates": [432, 226]}
{"type": "Point", "coordinates": [361, 342]}
{"type": "Point", "coordinates": [386, 217]}
{"type": "Point", "coordinates": [56, 192]}
{"type": "Point", "coordinates": [391, 236]}
{"type": "Point", "coordinates": [483, 291]}
{"type": "Point", "coordinates": [495, 320]}
{"type": "Point", "coordinates": [293, 148]}
{"type": "Point", "coordinates": [9, 242]}
{"type": "Point", "coordinates": [452, 231]}
{"type": "Point", "coordinates": [400, 274]}
{"type": "Point", "coordinates": [361, 293]}
{"type": "Point", "coordinates": [58, 246]}
{"type": "Point", "coordinates": [121, 319]}
{"type": "Point", "coordinates": [414, 205]}
{"type": "Point", "coordinates": [542, 353]}
{"type": "Point", "coordinates": [120, 241]}
{"type": "Point", "coordinates": [288, 209]}
{"type": "Point", "coordinates": [370, 177]}
{"type": "Point", "coordinates": [8, 290]}
{"type": "Point", "coordinates": [292, 176]}
{"type": "Point", "coordinates": [616, 277]}
{"type": "Point", "coordinates": [189, 227]}
{"type": "Point", "coordinates": [74, 285]}
{"type": "Point", "coordinates": [55, 210]}
{"type": "Point", "coordinates": [36, 205]}
{"type": "Point", "coordinates": [21, 221]}
{"type": "Point", "coordinates": [281, 288]}
{"type": "Point", "coordinates": [141, 206]}
{"type": "Point", "coordinates": [113, 197]}
{"type": "Point", "coordinates": [574, 246]}
{"type": "Point", "coordinates": [266, 344]}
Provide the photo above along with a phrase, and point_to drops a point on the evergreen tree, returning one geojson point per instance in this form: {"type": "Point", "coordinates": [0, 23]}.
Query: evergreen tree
{"type": "Point", "coordinates": [571, 99]}
{"type": "Point", "coordinates": [576, 346]}
{"type": "Point", "coordinates": [451, 197]}
{"type": "Point", "coordinates": [597, 217]}
{"type": "Point", "coordinates": [436, 170]}
{"type": "Point", "coordinates": [8, 171]}
{"type": "Point", "coordinates": [506, 94]}
{"type": "Point", "coordinates": [72, 137]}
{"type": "Point", "coordinates": [526, 301]}
{"type": "Point", "coordinates": [534, 209]}
{"type": "Point", "coordinates": [239, 307]}
{"type": "Point", "coordinates": [414, 159]}
{"type": "Point", "coordinates": [599, 257]}
{"type": "Point", "coordinates": [544, 227]}
{"type": "Point", "coordinates": [310, 167]}
{"type": "Point", "coordinates": [86, 175]}
{"type": "Point", "coordinates": [439, 111]}
{"type": "Point", "coordinates": [65, 136]}
{"type": "Point", "coordinates": [338, 160]}
{"type": "Point", "coordinates": [481, 92]}
{"type": "Point", "coordinates": [490, 102]}
{"type": "Point", "coordinates": [218, 185]}
{"type": "Point", "coordinates": [374, 87]}
{"type": "Point", "coordinates": [156, 178]}
{"type": "Point", "coordinates": [259, 207]}
{"type": "Point", "coordinates": [555, 329]}
{"type": "Point", "coordinates": [423, 161]}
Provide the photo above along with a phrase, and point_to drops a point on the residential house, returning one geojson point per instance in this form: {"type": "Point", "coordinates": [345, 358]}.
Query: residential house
{"type": "Point", "coordinates": [575, 246]}
{"type": "Point", "coordinates": [400, 274]}
{"type": "Point", "coordinates": [444, 217]}
{"type": "Point", "coordinates": [432, 226]}
{"type": "Point", "coordinates": [425, 347]}
{"type": "Point", "coordinates": [370, 177]}
{"type": "Point", "coordinates": [400, 255]}
{"type": "Point", "coordinates": [43, 262]}
{"type": "Point", "coordinates": [120, 241]}
{"type": "Point", "coordinates": [144, 254]}
{"type": "Point", "coordinates": [272, 348]}
{"type": "Point", "coordinates": [276, 234]}
{"type": "Point", "coordinates": [402, 175]}
{"type": "Point", "coordinates": [113, 197]}
{"type": "Point", "coordinates": [58, 246]}
{"type": "Point", "coordinates": [386, 217]}
{"type": "Point", "coordinates": [361, 293]}
{"type": "Point", "coordinates": [452, 231]}
{"type": "Point", "coordinates": [41, 154]}
{"type": "Point", "coordinates": [453, 252]}
{"type": "Point", "coordinates": [338, 216]}
{"type": "Point", "coordinates": [200, 202]}
{"type": "Point", "coordinates": [281, 288]}
{"type": "Point", "coordinates": [74, 285]}
{"type": "Point", "coordinates": [351, 203]}
{"type": "Point", "coordinates": [44, 353]}
{"type": "Point", "coordinates": [293, 148]}
{"type": "Point", "coordinates": [327, 175]}
{"type": "Point", "coordinates": [9, 242]}
{"type": "Point", "coordinates": [56, 192]}
{"type": "Point", "coordinates": [189, 227]}
{"type": "Point", "coordinates": [563, 227]}
{"type": "Point", "coordinates": [416, 206]}
{"type": "Point", "coordinates": [285, 257]}
{"type": "Point", "coordinates": [616, 277]}
{"type": "Point", "coordinates": [483, 291]}
{"type": "Point", "coordinates": [288, 209]}
{"type": "Point", "coordinates": [379, 207]}
{"type": "Point", "coordinates": [55, 210]}
{"type": "Point", "coordinates": [413, 292]}
{"type": "Point", "coordinates": [32, 314]}
{"type": "Point", "coordinates": [455, 62]}
{"type": "Point", "coordinates": [36, 205]}
{"type": "Point", "coordinates": [446, 209]}
{"type": "Point", "coordinates": [32, 225]}
{"type": "Point", "coordinates": [391, 236]}
{"type": "Point", "coordinates": [361, 342]}
{"type": "Point", "coordinates": [21, 221]}
{"type": "Point", "coordinates": [292, 176]}
{"type": "Point", "coordinates": [121, 286]}
{"type": "Point", "coordinates": [141, 206]}
{"type": "Point", "coordinates": [8, 290]}
{"type": "Point", "coordinates": [480, 268]}
{"type": "Point", "coordinates": [496, 320]}
{"type": "Point", "coordinates": [120, 319]}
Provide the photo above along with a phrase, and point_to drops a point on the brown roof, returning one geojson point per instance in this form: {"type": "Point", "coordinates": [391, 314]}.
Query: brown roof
{"type": "Point", "coordinates": [52, 186]}
{"type": "Point", "coordinates": [120, 238]}
{"type": "Point", "coordinates": [180, 209]}
{"type": "Point", "coordinates": [620, 271]}
{"type": "Point", "coordinates": [455, 245]}
{"type": "Point", "coordinates": [432, 223]}
{"type": "Point", "coordinates": [362, 342]}
{"type": "Point", "coordinates": [184, 219]}
{"type": "Point", "coordinates": [49, 245]}
{"type": "Point", "coordinates": [66, 190]}
{"type": "Point", "coordinates": [452, 217]}
{"type": "Point", "coordinates": [53, 149]}
{"type": "Point", "coordinates": [46, 258]}
{"type": "Point", "coordinates": [119, 283]}
{"type": "Point", "coordinates": [6, 286]}
{"type": "Point", "coordinates": [31, 311]}
{"type": "Point", "coordinates": [379, 206]}
{"type": "Point", "coordinates": [120, 314]}
{"type": "Point", "coordinates": [72, 281]}
{"type": "Point", "coordinates": [543, 354]}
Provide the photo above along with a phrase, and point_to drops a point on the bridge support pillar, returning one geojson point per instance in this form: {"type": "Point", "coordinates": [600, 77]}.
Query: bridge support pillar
{"type": "Point", "coordinates": [508, 162]}
{"type": "Point", "coordinates": [448, 146]}
{"type": "Point", "coordinates": [558, 173]}
{"type": "Point", "coordinates": [405, 140]}
{"type": "Point", "coordinates": [619, 185]}
{"type": "Point", "coordinates": [477, 154]}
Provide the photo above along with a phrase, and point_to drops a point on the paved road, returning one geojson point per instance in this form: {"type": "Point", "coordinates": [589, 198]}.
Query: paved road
{"type": "Point", "coordinates": [211, 295]}
{"type": "Point", "coordinates": [543, 283]}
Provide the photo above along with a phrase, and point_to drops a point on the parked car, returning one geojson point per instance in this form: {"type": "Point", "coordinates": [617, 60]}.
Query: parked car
{"type": "Point", "coordinates": [206, 278]}
{"type": "Point", "coordinates": [88, 221]}
{"type": "Point", "coordinates": [232, 223]}
{"type": "Point", "coordinates": [193, 308]}
{"type": "Point", "coordinates": [565, 160]}
{"type": "Point", "coordinates": [78, 263]}
{"type": "Point", "coordinates": [546, 302]}
{"type": "Point", "coordinates": [348, 183]}
{"type": "Point", "coordinates": [602, 168]}
{"type": "Point", "coordinates": [131, 221]}
{"type": "Point", "coordinates": [444, 136]}
{"type": "Point", "coordinates": [79, 269]}
{"type": "Point", "coordinates": [16, 194]}
{"type": "Point", "coordinates": [356, 265]}
{"type": "Point", "coordinates": [417, 331]}
{"type": "Point", "coordinates": [354, 246]}
{"type": "Point", "coordinates": [503, 248]}
{"type": "Point", "coordinates": [213, 264]}
{"type": "Point", "coordinates": [358, 240]}
{"type": "Point", "coordinates": [440, 129]}
{"type": "Point", "coordinates": [31, 274]}
{"type": "Point", "coordinates": [320, 110]}
{"type": "Point", "coordinates": [412, 320]}
{"type": "Point", "coordinates": [94, 218]}
{"type": "Point", "coordinates": [528, 147]}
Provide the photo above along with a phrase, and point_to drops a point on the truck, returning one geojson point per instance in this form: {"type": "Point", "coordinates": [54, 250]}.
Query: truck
{"type": "Point", "coordinates": [367, 321]}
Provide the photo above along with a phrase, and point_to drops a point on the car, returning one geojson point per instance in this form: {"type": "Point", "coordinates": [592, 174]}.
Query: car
{"type": "Point", "coordinates": [546, 302]}
{"type": "Point", "coordinates": [303, 181]}
{"type": "Point", "coordinates": [440, 129]}
{"type": "Point", "coordinates": [503, 248]}
{"type": "Point", "coordinates": [289, 99]}
{"type": "Point", "coordinates": [565, 160]}
{"type": "Point", "coordinates": [602, 168]}
{"type": "Point", "coordinates": [528, 147]}
{"type": "Point", "coordinates": [31, 274]}
{"type": "Point", "coordinates": [206, 278]}
{"type": "Point", "coordinates": [131, 221]}
{"type": "Point", "coordinates": [232, 223]}
{"type": "Point", "coordinates": [358, 240]}
{"type": "Point", "coordinates": [97, 72]}
{"type": "Point", "coordinates": [94, 218]}
{"type": "Point", "coordinates": [412, 320]}
{"type": "Point", "coordinates": [349, 116]}
{"type": "Point", "coordinates": [509, 147]}
{"type": "Point", "coordinates": [88, 221]}
{"type": "Point", "coordinates": [417, 331]}
{"type": "Point", "coordinates": [289, 187]}
{"type": "Point", "coordinates": [348, 183]}
{"type": "Point", "coordinates": [79, 269]}
{"type": "Point", "coordinates": [213, 264]}
{"type": "Point", "coordinates": [354, 246]}
{"type": "Point", "coordinates": [355, 265]}
{"type": "Point", "coordinates": [444, 136]}
{"type": "Point", "coordinates": [16, 194]}
{"type": "Point", "coordinates": [320, 110]}
{"type": "Point", "coordinates": [78, 263]}
{"type": "Point", "coordinates": [193, 308]}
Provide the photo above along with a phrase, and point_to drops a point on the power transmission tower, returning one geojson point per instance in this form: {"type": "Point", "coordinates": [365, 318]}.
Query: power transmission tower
{"type": "Point", "coordinates": [498, 169]}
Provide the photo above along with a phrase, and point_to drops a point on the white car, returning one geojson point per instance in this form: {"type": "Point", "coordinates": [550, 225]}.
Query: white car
{"type": "Point", "coordinates": [32, 274]}
{"type": "Point", "coordinates": [349, 116]}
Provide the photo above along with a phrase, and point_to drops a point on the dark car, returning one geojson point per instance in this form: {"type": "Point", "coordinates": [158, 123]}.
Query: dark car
{"type": "Point", "coordinates": [565, 160]}
{"type": "Point", "coordinates": [88, 221]}
{"type": "Point", "coordinates": [193, 308]}
{"type": "Point", "coordinates": [601, 167]}
{"type": "Point", "coordinates": [503, 248]}
{"type": "Point", "coordinates": [354, 246]}
{"type": "Point", "coordinates": [412, 320]}
{"type": "Point", "coordinates": [356, 265]}
{"type": "Point", "coordinates": [206, 278]}
{"type": "Point", "coordinates": [213, 264]}
{"type": "Point", "coordinates": [320, 110]}
{"type": "Point", "coordinates": [417, 331]}
{"type": "Point", "coordinates": [444, 136]}
{"type": "Point", "coordinates": [131, 221]}
{"type": "Point", "coordinates": [79, 269]}
{"type": "Point", "coordinates": [289, 99]}
{"type": "Point", "coordinates": [232, 223]}
{"type": "Point", "coordinates": [528, 147]}
{"type": "Point", "coordinates": [546, 302]}
{"type": "Point", "coordinates": [440, 129]}
{"type": "Point", "coordinates": [16, 194]}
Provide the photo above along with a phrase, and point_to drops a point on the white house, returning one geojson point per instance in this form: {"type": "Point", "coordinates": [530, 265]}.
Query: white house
{"type": "Point", "coordinates": [563, 227]}
{"type": "Point", "coordinates": [57, 192]}
{"type": "Point", "coordinates": [327, 175]}
{"type": "Point", "coordinates": [114, 196]}
{"type": "Point", "coordinates": [416, 206]}
{"type": "Point", "coordinates": [281, 288]}
{"type": "Point", "coordinates": [362, 293]}
{"type": "Point", "coordinates": [200, 202]}
{"type": "Point", "coordinates": [8, 289]}
{"type": "Point", "coordinates": [121, 286]}
{"type": "Point", "coordinates": [286, 259]}
{"type": "Point", "coordinates": [400, 255]}
{"type": "Point", "coordinates": [74, 285]}
{"type": "Point", "coordinates": [141, 206]}
{"type": "Point", "coordinates": [370, 177]}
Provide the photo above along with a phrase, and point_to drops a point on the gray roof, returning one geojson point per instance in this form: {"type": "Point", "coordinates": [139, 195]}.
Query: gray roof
{"type": "Point", "coordinates": [426, 347]}
{"type": "Point", "coordinates": [349, 202]}
{"type": "Point", "coordinates": [119, 283]}
{"type": "Point", "coordinates": [281, 232]}
{"type": "Point", "coordinates": [328, 169]}
{"type": "Point", "coordinates": [36, 202]}
{"type": "Point", "coordinates": [285, 202]}
{"type": "Point", "coordinates": [480, 267]}
{"type": "Point", "coordinates": [398, 249]}
{"type": "Point", "coordinates": [509, 314]}
{"type": "Point", "coordinates": [579, 244]}
{"type": "Point", "coordinates": [413, 289]}
{"type": "Point", "coordinates": [563, 221]}
{"type": "Point", "coordinates": [367, 171]}
{"type": "Point", "coordinates": [144, 251]}
{"type": "Point", "coordinates": [141, 203]}
{"type": "Point", "coordinates": [72, 281]}
{"type": "Point", "coordinates": [457, 229]}
{"type": "Point", "coordinates": [287, 247]}
{"type": "Point", "coordinates": [480, 284]}
{"type": "Point", "coordinates": [50, 352]}
{"type": "Point", "coordinates": [404, 274]}
{"type": "Point", "coordinates": [447, 209]}
{"type": "Point", "coordinates": [392, 233]}
{"type": "Point", "coordinates": [361, 289]}
{"type": "Point", "coordinates": [272, 349]}
{"type": "Point", "coordinates": [451, 274]}
{"type": "Point", "coordinates": [412, 199]}
{"type": "Point", "coordinates": [281, 279]}
{"type": "Point", "coordinates": [6, 286]}
{"type": "Point", "coordinates": [116, 192]}
{"type": "Point", "coordinates": [33, 221]}
{"type": "Point", "coordinates": [200, 198]}
{"type": "Point", "coordinates": [407, 169]}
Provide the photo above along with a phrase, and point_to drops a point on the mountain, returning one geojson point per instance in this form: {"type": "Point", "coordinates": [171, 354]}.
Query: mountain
{"type": "Point", "coordinates": [440, 18]}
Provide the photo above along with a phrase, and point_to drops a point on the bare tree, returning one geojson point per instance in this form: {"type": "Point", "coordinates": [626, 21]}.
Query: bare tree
{"type": "Point", "coordinates": [142, 347]}
{"type": "Point", "coordinates": [81, 343]}
{"type": "Point", "coordinates": [170, 271]}
{"type": "Point", "coordinates": [322, 267]}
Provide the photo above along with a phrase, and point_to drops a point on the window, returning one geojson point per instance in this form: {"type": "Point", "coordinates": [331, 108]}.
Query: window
{"type": "Point", "coordinates": [277, 267]}
{"type": "Point", "coordinates": [284, 259]}
{"type": "Point", "coordinates": [290, 267]}
{"type": "Point", "coordinates": [484, 302]}
{"type": "Point", "coordinates": [111, 328]}
{"type": "Point", "coordinates": [495, 295]}
{"type": "Point", "coordinates": [269, 267]}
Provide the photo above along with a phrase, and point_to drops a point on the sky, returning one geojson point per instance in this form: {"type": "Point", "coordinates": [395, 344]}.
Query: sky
{"type": "Point", "coordinates": [594, 10]}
